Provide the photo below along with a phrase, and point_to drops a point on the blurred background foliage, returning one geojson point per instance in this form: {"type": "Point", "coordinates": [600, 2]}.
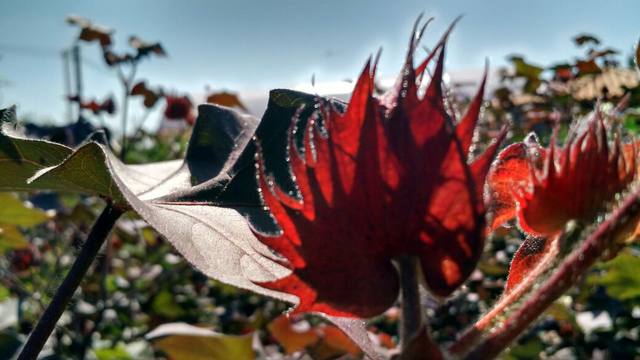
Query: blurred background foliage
{"type": "Point", "coordinates": [142, 300]}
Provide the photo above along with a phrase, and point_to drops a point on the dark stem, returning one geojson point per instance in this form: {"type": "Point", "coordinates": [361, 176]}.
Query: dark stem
{"type": "Point", "coordinates": [597, 245]}
{"type": "Point", "coordinates": [99, 232]}
{"type": "Point", "coordinates": [87, 342]}
{"type": "Point", "coordinates": [411, 320]}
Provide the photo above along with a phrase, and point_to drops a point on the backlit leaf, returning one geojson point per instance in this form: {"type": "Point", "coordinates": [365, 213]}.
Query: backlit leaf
{"type": "Point", "coordinates": [14, 212]}
{"type": "Point", "coordinates": [11, 238]}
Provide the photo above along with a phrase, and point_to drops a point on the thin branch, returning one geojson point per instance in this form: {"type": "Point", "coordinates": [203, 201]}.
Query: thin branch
{"type": "Point", "coordinates": [99, 232]}
{"type": "Point", "coordinates": [87, 342]}
{"type": "Point", "coordinates": [126, 84]}
{"type": "Point", "coordinates": [597, 245]}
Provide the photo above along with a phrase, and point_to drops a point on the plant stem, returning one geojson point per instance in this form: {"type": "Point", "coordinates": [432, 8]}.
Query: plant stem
{"type": "Point", "coordinates": [602, 240]}
{"type": "Point", "coordinates": [412, 319]}
{"type": "Point", "coordinates": [141, 124]}
{"type": "Point", "coordinates": [99, 232]}
{"type": "Point", "coordinates": [126, 84]}
{"type": "Point", "coordinates": [87, 342]}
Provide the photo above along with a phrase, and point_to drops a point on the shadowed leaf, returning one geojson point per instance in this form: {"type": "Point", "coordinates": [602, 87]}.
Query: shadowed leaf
{"type": "Point", "coordinates": [509, 174]}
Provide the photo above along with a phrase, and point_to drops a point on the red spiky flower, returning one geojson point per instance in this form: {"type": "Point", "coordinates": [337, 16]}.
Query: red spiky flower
{"type": "Point", "coordinates": [388, 177]}
{"type": "Point", "coordinates": [546, 188]}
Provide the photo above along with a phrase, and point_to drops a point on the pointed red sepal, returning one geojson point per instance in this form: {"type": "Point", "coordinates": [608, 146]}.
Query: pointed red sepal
{"type": "Point", "coordinates": [509, 175]}
{"type": "Point", "coordinates": [467, 125]}
{"type": "Point", "coordinates": [526, 259]}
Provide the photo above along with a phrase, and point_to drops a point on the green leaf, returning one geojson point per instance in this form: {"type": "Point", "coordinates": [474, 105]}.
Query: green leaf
{"type": "Point", "coordinates": [21, 158]}
{"type": "Point", "coordinates": [11, 238]}
{"type": "Point", "coordinates": [619, 277]}
{"type": "Point", "coordinates": [186, 342]}
{"type": "Point", "coordinates": [4, 293]}
{"type": "Point", "coordinates": [164, 304]}
{"type": "Point", "coordinates": [14, 212]}
{"type": "Point", "coordinates": [9, 343]}
{"type": "Point", "coordinates": [529, 349]}
{"type": "Point", "coordinates": [631, 122]}
{"type": "Point", "coordinates": [116, 353]}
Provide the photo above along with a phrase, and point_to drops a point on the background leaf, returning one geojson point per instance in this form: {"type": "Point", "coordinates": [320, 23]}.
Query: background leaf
{"type": "Point", "coordinates": [186, 342]}
{"type": "Point", "coordinates": [22, 158]}
{"type": "Point", "coordinates": [619, 276]}
{"type": "Point", "coordinates": [11, 238]}
{"type": "Point", "coordinates": [14, 212]}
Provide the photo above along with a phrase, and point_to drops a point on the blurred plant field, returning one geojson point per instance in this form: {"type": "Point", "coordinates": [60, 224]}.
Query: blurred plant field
{"type": "Point", "coordinates": [142, 300]}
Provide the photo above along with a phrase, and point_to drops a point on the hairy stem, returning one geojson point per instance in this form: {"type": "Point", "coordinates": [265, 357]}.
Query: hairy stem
{"type": "Point", "coordinates": [412, 317]}
{"type": "Point", "coordinates": [601, 241]}
{"type": "Point", "coordinates": [99, 232]}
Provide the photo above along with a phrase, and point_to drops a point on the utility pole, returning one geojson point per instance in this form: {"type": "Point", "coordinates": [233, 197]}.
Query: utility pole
{"type": "Point", "coordinates": [78, 76]}
{"type": "Point", "coordinates": [66, 71]}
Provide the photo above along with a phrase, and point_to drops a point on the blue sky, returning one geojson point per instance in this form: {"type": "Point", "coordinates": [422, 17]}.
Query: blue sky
{"type": "Point", "coordinates": [252, 46]}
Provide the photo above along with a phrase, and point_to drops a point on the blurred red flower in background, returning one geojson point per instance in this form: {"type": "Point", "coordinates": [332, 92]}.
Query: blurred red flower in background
{"type": "Point", "coordinates": [179, 108]}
